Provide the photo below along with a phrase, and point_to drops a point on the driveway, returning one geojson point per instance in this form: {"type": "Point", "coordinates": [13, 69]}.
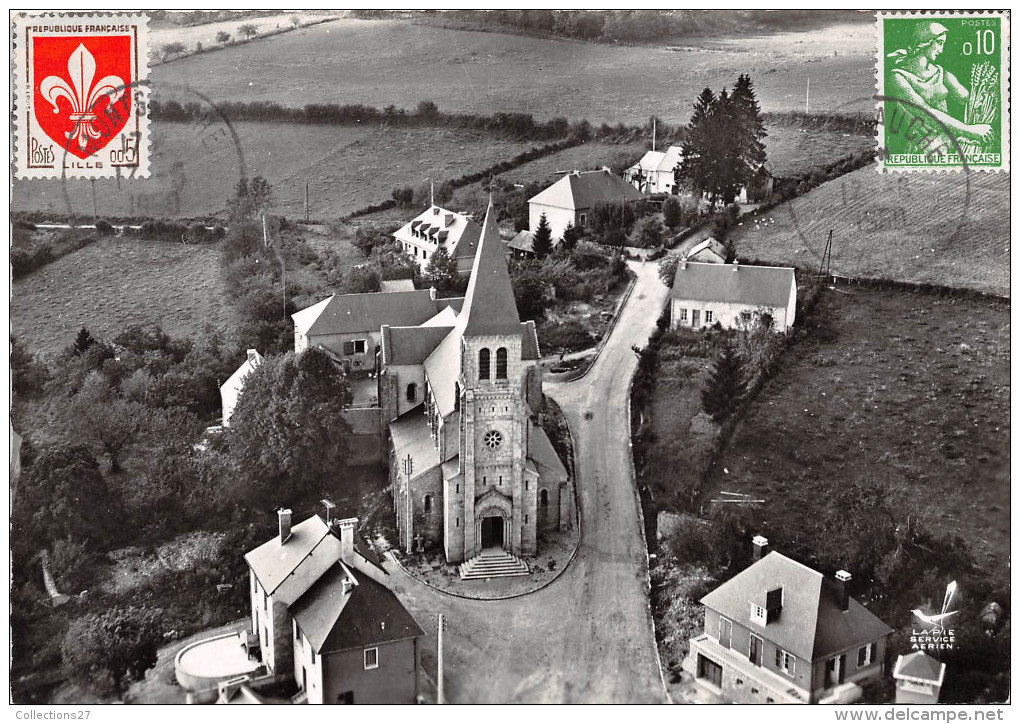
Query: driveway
{"type": "Point", "coordinates": [587, 637]}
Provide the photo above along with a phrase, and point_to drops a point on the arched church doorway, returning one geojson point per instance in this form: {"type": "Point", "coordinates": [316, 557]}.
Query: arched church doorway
{"type": "Point", "coordinates": [492, 531]}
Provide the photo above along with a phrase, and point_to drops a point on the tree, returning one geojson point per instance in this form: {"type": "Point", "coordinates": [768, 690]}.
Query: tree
{"type": "Point", "coordinates": [63, 494]}
{"type": "Point", "coordinates": [222, 37]}
{"type": "Point", "coordinates": [571, 235]}
{"type": "Point", "coordinates": [105, 651]}
{"type": "Point", "coordinates": [650, 232]}
{"type": "Point", "coordinates": [98, 416]}
{"type": "Point", "coordinates": [28, 372]}
{"type": "Point", "coordinates": [726, 385]}
{"type": "Point", "coordinates": [529, 289]}
{"type": "Point", "coordinates": [750, 127]}
{"type": "Point", "coordinates": [543, 242]}
{"type": "Point", "coordinates": [287, 432]}
{"type": "Point", "coordinates": [248, 30]}
{"type": "Point", "coordinates": [174, 48]}
{"type": "Point", "coordinates": [441, 270]}
{"type": "Point", "coordinates": [667, 269]}
{"type": "Point", "coordinates": [82, 342]}
{"type": "Point", "coordinates": [295, 20]}
{"type": "Point", "coordinates": [672, 212]}
{"type": "Point", "coordinates": [251, 198]}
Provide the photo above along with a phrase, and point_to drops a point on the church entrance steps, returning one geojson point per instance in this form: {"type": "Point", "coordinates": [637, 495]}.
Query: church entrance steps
{"type": "Point", "coordinates": [493, 563]}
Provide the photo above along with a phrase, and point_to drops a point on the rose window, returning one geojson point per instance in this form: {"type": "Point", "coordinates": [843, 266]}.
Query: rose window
{"type": "Point", "coordinates": [493, 439]}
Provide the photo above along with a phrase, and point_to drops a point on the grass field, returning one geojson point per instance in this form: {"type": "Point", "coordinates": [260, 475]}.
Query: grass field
{"type": "Point", "coordinates": [117, 282]}
{"type": "Point", "coordinates": [946, 229]}
{"type": "Point", "coordinates": [912, 392]}
{"type": "Point", "coordinates": [161, 33]}
{"type": "Point", "coordinates": [346, 167]}
{"type": "Point", "coordinates": [379, 62]}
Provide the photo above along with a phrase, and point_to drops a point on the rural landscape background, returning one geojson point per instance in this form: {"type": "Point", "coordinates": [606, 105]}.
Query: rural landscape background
{"type": "Point", "coordinates": [347, 108]}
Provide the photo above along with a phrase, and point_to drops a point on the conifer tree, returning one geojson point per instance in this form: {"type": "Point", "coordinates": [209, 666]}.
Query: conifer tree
{"type": "Point", "coordinates": [543, 239]}
{"type": "Point", "coordinates": [441, 270]}
{"type": "Point", "coordinates": [726, 385]}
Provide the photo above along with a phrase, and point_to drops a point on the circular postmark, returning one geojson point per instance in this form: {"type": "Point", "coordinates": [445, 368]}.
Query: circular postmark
{"type": "Point", "coordinates": [875, 219]}
{"type": "Point", "coordinates": [197, 161]}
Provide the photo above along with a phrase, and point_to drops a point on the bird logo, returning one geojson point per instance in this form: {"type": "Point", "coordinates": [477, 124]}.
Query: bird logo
{"type": "Point", "coordinates": [936, 620]}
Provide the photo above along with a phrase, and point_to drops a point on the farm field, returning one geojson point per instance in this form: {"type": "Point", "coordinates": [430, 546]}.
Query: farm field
{"type": "Point", "coordinates": [347, 168]}
{"type": "Point", "coordinates": [918, 402]}
{"type": "Point", "coordinates": [382, 62]}
{"type": "Point", "coordinates": [945, 229]}
{"type": "Point", "coordinates": [161, 33]}
{"type": "Point", "coordinates": [115, 283]}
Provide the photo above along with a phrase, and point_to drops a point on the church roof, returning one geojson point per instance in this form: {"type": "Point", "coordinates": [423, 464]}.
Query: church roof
{"type": "Point", "coordinates": [542, 453]}
{"type": "Point", "coordinates": [347, 313]}
{"type": "Point", "coordinates": [489, 305]}
{"type": "Point", "coordinates": [411, 345]}
{"type": "Point", "coordinates": [442, 368]}
{"type": "Point", "coordinates": [411, 435]}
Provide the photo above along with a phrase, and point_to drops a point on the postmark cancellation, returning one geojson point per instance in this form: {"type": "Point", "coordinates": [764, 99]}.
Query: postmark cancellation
{"type": "Point", "coordinates": [943, 91]}
{"type": "Point", "coordinates": [80, 95]}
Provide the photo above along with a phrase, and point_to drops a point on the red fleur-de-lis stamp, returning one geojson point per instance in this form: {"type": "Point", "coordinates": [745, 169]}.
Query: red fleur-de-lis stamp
{"type": "Point", "coordinates": [81, 95]}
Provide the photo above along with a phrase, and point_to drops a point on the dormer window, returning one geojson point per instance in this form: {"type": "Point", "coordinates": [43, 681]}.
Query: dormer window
{"type": "Point", "coordinates": [758, 615]}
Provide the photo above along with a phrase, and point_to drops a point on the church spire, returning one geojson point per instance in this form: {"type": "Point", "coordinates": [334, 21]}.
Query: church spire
{"type": "Point", "coordinates": [489, 305]}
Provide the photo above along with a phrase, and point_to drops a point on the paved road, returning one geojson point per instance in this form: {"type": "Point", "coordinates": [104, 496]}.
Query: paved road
{"type": "Point", "coordinates": [588, 636]}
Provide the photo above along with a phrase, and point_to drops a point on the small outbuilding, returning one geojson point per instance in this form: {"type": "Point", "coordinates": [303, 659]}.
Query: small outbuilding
{"type": "Point", "coordinates": [918, 678]}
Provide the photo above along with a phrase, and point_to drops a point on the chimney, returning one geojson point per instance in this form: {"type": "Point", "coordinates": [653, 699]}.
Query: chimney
{"type": "Point", "coordinates": [761, 547]}
{"type": "Point", "coordinates": [432, 293]}
{"type": "Point", "coordinates": [329, 511]}
{"type": "Point", "coordinates": [683, 263]}
{"type": "Point", "coordinates": [284, 514]}
{"type": "Point", "coordinates": [347, 528]}
{"type": "Point", "coordinates": [252, 355]}
{"type": "Point", "coordinates": [843, 589]}
{"type": "Point", "coordinates": [736, 265]}
{"type": "Point", "coordinates": [349, 584]}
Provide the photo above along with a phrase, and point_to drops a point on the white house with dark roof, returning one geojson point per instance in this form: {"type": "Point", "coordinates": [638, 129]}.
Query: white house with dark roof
{"type": "Point", "coordinates": [422, 236]}
{"type": "Point", "coordinates": [780, 632]}
{"type": "Point", "coordinates": [653, 173]}
{"type": "Point", "coordinates": [732, 295]}
{"type": "Point", "coordinates": [459, 394]}
{"type": "Point", "coordinates": [919, 678]}
{"type": "Point", "coordinates": [571, 199]}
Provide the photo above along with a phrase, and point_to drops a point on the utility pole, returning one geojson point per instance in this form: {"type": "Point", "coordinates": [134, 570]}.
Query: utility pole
{"type": "Point", "coordinates": [439, 676]}
{"type": "Point", "coordinates": [432, 193]}
{"type": "Point", "coordinates": [807, 98]}
{"type": "Point", "coordinates": [95, 208]}
{"type": "Point", "coordinates": [408, 525]}
{"type": "Point", "coordinates": [653, 133]}
{"type": "Point", "coordinates": [826, 265]}
{"type": "Point", "coordinates": [306, 202]}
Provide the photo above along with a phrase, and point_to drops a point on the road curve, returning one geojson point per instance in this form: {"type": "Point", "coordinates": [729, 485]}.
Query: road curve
{"type": "Point", "coordinates": [587, 637]}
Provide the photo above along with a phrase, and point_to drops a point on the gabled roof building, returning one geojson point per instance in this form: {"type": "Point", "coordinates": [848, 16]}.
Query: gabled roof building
{"type": "Point", "coordinates": [653, 173]}
{"type": "Point", "coordinates": [780, 632]}
{"type": "Point", "coordinates": [570, 200]}
{"type": "Point", "coordinates": [732, 295]}
{"type": "Point", "coordinates": [436, 227]}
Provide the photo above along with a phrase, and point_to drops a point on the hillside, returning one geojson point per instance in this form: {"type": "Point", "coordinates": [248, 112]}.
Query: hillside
{"type": "Point", "coordinates": [382, 62]}
{"type": "Point", "coordinates": [943, 229]}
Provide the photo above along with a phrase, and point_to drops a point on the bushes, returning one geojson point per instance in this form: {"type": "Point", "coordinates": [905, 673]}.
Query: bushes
{"type": "Point", "coordinates": [104, 652]}
{"type": "Point", "coordinates": [564, 336]}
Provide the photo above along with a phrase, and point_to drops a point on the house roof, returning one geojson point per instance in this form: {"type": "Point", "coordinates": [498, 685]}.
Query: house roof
{"type": "Point", "coordinates": [236, 380]}
{"type": "Point", "coordinates": [489, 305]}
{"type": "Point", "coordinates": [767, 286]}
{"type": "Point", "coordinates": [583, 190]}
{"type": "Point", "coordinates": [920, 666]}
{"type": "Point", "coordinates": [811, 624]}
{"type": "Point", "coordinates": [529, 341]}
{"type": "Point", "coordinates": [456, 232]}
{"type": "Point", "coordinates": [709, 244]}
{"type": "Point", "coordinates": [660, 160]}
{"type": "Point", "coordinates": [348, 313]}
{"type": "Point", "coordinates": [541, 451]}
{"type": "Point", "coordinates": [411, 345]}
{"type": "Point", "coordinates": [367, 614]}
{"type": "Point", "coordinates": [273, 562]}
{"type": "Point", "coordinates": [523, 241]}
{"type": "Point", "coordinates": [397, 285]}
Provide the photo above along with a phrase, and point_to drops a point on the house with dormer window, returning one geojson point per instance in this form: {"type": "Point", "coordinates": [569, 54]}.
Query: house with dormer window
{"type": "Point", "coordinates": [780, 632]}
{"type": "Point", "coordinates": [422, 236]}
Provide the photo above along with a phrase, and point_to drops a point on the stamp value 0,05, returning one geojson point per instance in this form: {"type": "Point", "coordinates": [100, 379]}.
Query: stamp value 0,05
{"type": "Point", "coordinates": [943, 90]}
{"type": "Point", "coordinates": [80, 95]}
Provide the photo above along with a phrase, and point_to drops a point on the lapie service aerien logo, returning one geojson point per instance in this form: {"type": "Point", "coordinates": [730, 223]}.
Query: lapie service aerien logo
{"type": "Point", "coordinates": [82, 88]}
{"type": "Point", "coordinates": [937, 635]}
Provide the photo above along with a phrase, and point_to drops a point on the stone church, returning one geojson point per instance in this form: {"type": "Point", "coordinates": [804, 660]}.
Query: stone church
{"type": "Point", "coordinates": [461, 395]}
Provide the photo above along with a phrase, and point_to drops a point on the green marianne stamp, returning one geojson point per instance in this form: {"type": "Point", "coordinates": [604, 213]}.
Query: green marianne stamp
{"type": "Point", "coordinates": [943, 91]}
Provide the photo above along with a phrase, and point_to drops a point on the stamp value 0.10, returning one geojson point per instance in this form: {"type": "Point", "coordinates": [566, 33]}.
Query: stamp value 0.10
{"type": "Point", "coordinates": [943, 90]}
{"type": "Point", "coordinates": [80, 95]}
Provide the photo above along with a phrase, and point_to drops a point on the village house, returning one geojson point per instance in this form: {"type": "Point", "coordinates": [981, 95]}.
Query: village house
{"type": "Point", "coordinates": [349, 326]}
{"type": "Point", "coordinates": [230, 390]}
{"type": "Point", "coordinates": [422, 236]}
{"type": "Point", "coordinates": [461, 395]}
{"type": "Point", "coordinates": [780, 632]}
{"type": "Point", "coordinates": [322, 618]}
{"type": "Point", "coordinates": [653, 174]}
{"type": "Point", "coordinates": [732, 295]}
{"type": "Point", "coordinates": [919, 678]}
{"type": "Point", "coordinates": [708, 250]}
{"type": "Point", "coordinates": [570, 200]}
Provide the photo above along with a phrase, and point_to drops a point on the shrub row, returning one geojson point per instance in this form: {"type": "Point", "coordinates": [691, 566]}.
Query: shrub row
{"type": "Point", "coordinates": [860, 124]}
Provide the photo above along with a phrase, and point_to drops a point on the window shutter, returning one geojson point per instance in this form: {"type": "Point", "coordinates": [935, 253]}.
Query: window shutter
{"type": "Point", "coordinates": [873, 653]}
{"type": "Point", "coordinates": [779, 659]}
{"type": "Point", "coordinates": [348, 347]}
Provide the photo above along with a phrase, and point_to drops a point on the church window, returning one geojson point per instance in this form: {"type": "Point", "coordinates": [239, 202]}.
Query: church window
{"type": "Point", "coordinates": [483, 363]}
{"type": "Point", "coordinates": [428, 504]}
{"type": "Point", "coordinates": [412, 392]}
{"type": "Point", "coordinates": [493, 439]}
{"type": "Point", "coordinates": [501, 363]}
{"type": "Point", "coordinates": [456, 395]}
